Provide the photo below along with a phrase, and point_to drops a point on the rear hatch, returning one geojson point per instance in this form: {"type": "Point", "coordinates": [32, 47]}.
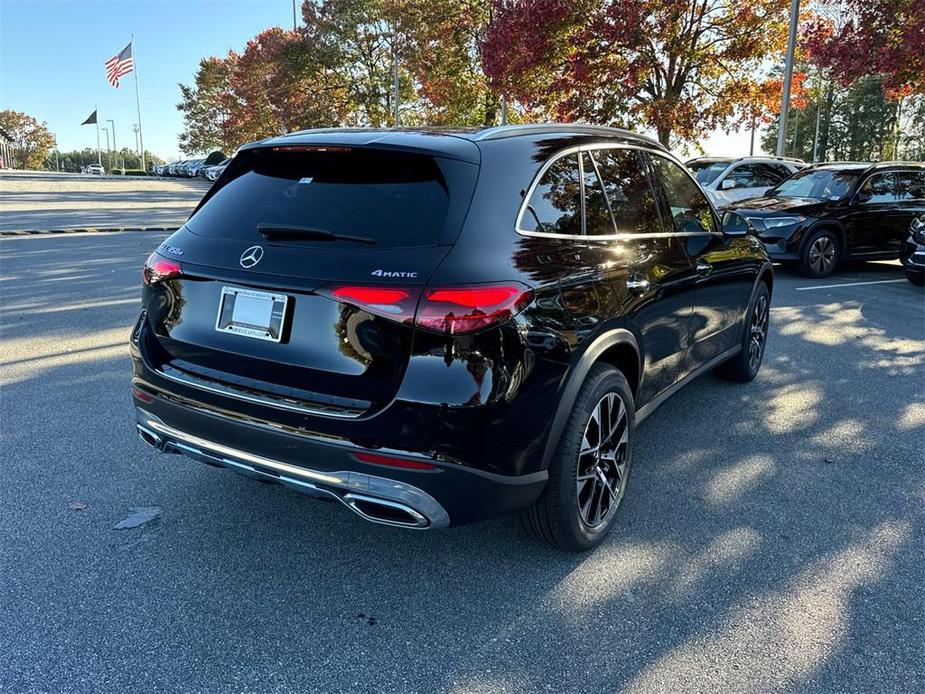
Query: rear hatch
{"type": "Point", "coordinates": [281, 287]}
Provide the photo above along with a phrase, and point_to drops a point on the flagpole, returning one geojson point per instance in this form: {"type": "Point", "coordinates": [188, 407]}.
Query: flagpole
{"type": "Point", "coordinates": [99, 157]}
{"type": "Point", "coordinates": [141, 136]}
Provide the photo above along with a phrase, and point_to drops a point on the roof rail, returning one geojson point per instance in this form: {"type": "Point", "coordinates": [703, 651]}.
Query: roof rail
{"type": "Point", "coordinates": [502, 131]}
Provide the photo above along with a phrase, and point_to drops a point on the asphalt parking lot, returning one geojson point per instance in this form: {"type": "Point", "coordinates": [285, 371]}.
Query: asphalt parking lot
{"type": "Point", "coordinates": [32, 200]}
{"type": "Point", "coordinates": [773, 537]}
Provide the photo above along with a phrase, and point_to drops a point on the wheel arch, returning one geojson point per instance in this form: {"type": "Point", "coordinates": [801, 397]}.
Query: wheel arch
{"type": "Point", "coordinates": [825, 225]}
{"type": "Point", "coordinates": [617, 347]}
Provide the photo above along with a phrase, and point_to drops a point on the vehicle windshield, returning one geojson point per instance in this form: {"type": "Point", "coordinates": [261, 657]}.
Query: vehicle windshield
{"type": "Point", "coordinates": [818, 184]}
{"type": "Point", "coordinates": [706, 171]}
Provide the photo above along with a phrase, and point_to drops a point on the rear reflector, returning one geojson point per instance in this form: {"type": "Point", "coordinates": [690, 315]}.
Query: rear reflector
{"type": "Point", "coordinates": [393, 462]}
{"type": "Point", "coordinates": [453, 310]}
{"type": "Point", "coordinates": [141, 395]}
{"type": "Point", "coordinates": [158, 268]}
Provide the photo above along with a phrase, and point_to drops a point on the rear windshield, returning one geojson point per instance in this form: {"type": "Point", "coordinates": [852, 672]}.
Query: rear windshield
{"type": "Point", "coordinates": [395, 199]}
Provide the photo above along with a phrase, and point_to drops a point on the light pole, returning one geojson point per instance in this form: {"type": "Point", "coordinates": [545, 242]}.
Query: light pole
{"type": "Point", "coordinates": [293, 16]}
{"type": "Point", "coordinates": [108, 151]}
{"type": "Point", "coordinates": [788, 76]}
{"type": "Point", "coordinates": [115, 147]}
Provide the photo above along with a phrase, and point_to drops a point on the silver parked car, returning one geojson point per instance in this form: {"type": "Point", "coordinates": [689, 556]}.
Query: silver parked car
{"type": "Point", "coordinates": [730, 179]}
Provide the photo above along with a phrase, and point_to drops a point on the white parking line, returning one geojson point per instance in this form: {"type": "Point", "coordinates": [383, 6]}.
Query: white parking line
{"type": "Point", "coordinates": [845, 284]}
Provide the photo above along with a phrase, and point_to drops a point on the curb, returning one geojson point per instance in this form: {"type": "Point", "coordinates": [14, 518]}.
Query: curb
{"type": "Point", "coordinates": [82, 230]}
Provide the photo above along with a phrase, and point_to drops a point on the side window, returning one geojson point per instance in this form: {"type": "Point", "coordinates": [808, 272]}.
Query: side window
{"type": "Point", "coordinates": [631, 198]}
{"type": "Point", "coordinates": [690, 208]}
{"type": "Point", "coordinates": [879, 188]}
{"type": "Point", "coordinates": [598, 221]}
{"type": "Point", "coordinates": [743, 176]}
{"type": "Point", "coordinates": [911, 185]}
{"type": "Point", "coordinates": [555, 205]}
{"type": "Point", "coordinates": [781, 171]}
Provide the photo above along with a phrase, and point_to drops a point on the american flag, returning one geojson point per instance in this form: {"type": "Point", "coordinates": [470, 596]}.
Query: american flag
{"type": "Point", "coordinates": [119, 65]}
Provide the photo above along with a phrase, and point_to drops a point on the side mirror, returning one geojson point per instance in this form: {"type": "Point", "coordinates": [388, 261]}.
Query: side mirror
{"type": "Point", "coordinates": [727, 184]}
{"type": "Point", "coordinates": [735, 224]}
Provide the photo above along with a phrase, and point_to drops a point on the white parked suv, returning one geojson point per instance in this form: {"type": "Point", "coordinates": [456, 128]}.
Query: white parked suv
{"type": "Point", "coordinates": [95, 169]}
{"type": "Point", "coordinates": [727, 179]}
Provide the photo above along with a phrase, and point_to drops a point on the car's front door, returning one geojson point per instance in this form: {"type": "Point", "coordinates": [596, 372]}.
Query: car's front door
{"type": "Point", "coordinates": [723, 268]}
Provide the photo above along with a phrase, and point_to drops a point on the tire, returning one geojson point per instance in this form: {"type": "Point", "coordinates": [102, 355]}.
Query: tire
{"type": "Point", "coordinates": [565, 515]}
{"type": "Point", "coordinates": [917, 277]}
{"type": "Point", "coordinates": [820, 254]}
{"type": "Point", "coordinates": [745, 365]}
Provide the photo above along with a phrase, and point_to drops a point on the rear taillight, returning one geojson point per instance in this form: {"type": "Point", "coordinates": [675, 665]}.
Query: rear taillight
{"type": "Point", "coordinates": [459, 310]}
{"type": "Point", "coordinates": [396, 303]}
{"type": "Point", "coordinates": [453, 310]}
{"type": "Point", "coordinates": [158, 268]}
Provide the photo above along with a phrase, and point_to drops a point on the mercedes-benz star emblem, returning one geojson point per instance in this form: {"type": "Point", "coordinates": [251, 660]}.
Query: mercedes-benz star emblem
{"type": "Point", "coordinates": [251, 256]}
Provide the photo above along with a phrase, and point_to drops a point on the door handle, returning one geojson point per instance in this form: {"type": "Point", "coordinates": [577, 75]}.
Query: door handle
{"type": "Point", "coordinates": [703, 267]}
{"type": "Point", "coordinates": [638, 284]}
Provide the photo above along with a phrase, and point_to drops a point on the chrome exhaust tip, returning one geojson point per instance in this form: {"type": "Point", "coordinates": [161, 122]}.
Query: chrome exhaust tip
{"type": "Point", "coordinates": [382, 511]}
{"type": "Point", "coordinates": [150, 438]}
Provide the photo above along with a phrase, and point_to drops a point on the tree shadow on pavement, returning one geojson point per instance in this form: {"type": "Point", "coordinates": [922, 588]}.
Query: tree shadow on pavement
{"type": "Point", "coordinates": [771, 539]}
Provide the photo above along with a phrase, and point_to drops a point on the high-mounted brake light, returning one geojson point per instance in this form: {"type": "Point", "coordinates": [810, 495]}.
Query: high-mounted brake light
{"type": "Point", "coordinates": [310, 148]}
{"type": "Point", "coordinates": [158, 268]}
{"type": "Point", "coordinates": [454, 310]}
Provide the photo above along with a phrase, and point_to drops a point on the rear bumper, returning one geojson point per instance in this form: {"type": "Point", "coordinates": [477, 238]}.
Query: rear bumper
{"type": "Point", "coordinates": [420, 499]}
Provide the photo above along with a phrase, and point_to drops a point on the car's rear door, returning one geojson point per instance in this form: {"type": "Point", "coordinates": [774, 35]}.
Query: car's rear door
{"type": "Point", "coordinates": [875, 224]}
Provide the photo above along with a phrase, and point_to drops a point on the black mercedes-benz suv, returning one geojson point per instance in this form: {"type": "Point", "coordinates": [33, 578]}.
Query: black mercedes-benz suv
{"type": "Point", "coordinates": [436, 327]}
{"type": "Point", "coordinates": [830, 212]}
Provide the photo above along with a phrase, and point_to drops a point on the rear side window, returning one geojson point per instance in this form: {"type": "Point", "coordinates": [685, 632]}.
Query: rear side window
{"type": "Point", "coordinates": [690, 209]}
{"type": "Point", "coordinates": [555, 205]}
{"type": "Point", "coordinates": [755, 175]}
{"type": "Point", "coordinates": [598, 220]}
{"type": "Point", "coordinates": [631, 197]}
{"type": "Point", "coordinates": [911, 185]}
{"type": "Point", "coordinates": [879, 188]}
{"type": "Point", "coordinates": [396, 199]}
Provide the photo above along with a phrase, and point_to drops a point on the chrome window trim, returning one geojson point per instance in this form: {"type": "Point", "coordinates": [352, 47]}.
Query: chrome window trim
{"type": "Point", "coordinates": [619, 236]}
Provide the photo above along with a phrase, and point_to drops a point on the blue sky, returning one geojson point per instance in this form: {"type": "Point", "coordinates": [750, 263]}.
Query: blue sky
{"type": "Point", "coordinates": [52, 55]}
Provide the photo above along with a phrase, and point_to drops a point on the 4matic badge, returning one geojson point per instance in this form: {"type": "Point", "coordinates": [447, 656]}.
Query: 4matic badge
{"type": "Point", "coordinates": [393, 273]}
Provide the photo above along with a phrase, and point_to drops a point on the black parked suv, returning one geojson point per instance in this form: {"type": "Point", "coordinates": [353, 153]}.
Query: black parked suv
{"type": "Point", "coordinates": [830, 212]}
{"type": "Point", "coordinates": [439, 327]}
{"type": "Point", "coordinates": [913, 255]}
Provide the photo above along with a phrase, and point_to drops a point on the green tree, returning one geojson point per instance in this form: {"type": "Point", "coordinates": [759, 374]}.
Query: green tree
{"type": "Point", "coordinates": [76, 160]}
{"type": "Point", "coordinates": [206, 106]}
{"type": "Point", "coordinates": [857, 122]}
{"type": "Point", "coordinates": [31, 140]}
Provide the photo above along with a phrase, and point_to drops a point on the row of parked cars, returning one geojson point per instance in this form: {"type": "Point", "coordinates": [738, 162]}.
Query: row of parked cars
{"type": "Point", "coordinates": [813, 217]}
{"type": "Point", "coordinates": [192, 168]}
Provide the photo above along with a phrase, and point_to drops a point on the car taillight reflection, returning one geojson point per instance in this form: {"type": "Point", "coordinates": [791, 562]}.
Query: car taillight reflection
{"type": "Point", "coordinates": [452, 310]}
{"type": "Point", "coordinates": [158, 268]}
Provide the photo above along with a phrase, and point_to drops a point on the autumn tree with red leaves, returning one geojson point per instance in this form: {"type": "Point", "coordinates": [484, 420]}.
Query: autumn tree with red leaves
{"type": "Point", "coordinates": [680, 67]}
{"type": "Point", "coordinates": [871, 37]}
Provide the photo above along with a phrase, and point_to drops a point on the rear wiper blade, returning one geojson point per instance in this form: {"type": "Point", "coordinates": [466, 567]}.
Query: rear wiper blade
{"type": "Point", "coordinates": [292, 231]}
